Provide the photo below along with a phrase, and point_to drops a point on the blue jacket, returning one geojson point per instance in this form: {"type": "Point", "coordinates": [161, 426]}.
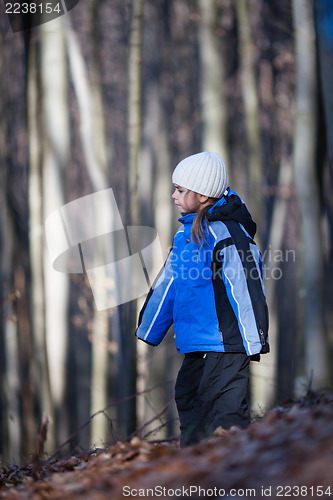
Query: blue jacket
{"type": "Point", "coordinates": [204, 291]}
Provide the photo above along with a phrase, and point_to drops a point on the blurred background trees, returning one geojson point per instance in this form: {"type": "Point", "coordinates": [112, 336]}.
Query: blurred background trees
{"type": "Point", "coordinates": [112, 95]}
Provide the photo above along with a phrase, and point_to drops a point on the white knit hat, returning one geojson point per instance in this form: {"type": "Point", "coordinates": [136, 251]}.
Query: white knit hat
{"type": "Point", "coordinates": [205, 173]}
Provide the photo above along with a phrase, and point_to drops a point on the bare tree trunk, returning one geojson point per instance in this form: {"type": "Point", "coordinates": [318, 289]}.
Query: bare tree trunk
{"type": "Point", "coordinates": [311, 258]}
{"type": "Point", "coordinates": [156, 366]}
{"type": "Point", "coordinates": [92, 133]}
{"type": "Point", "coordinates": [128, 341]}
{"type": "Point", "coordinates": [36, 239]}
{"type": "Point", "coordinates": [10, 387]}
{"type": "Point", "coordinates": [17, 399]}
{"type": "Point", "coordinates": [324, 18]}
{"type": "Point", "coordinates": [264, 374]}
{"type": "Point", "coordinates": [155, 178]}
{"type": "Point", "coordinates": [134, 105]}
{"type": "Point", "coordinates": [213, 103]}
{"type": "Point", "coordinates": [251, 107]}
{"type": "Point", "coordinates": [8, 428]}
{"type": "Point", "coordinates": [55, 161]}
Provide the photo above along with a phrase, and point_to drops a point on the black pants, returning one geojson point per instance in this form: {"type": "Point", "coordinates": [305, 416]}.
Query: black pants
{"type": "Point", "coordinates": [211, 391]}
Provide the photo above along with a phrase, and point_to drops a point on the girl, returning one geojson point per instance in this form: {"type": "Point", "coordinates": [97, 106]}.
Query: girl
{"type": "Point", "coordinates": [211, 290]}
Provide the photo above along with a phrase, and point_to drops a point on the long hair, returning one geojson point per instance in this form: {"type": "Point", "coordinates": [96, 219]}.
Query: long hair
{"type": "Point", "coordinates": [198, 233]}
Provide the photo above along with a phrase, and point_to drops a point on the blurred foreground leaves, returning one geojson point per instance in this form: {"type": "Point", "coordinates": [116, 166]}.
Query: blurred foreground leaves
{"type": "Point", "coordinates": [291, 445]}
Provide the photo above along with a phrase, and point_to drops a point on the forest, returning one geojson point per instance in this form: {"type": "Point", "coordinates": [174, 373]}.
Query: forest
{"type": "Point", "coordinates": [99, 101]}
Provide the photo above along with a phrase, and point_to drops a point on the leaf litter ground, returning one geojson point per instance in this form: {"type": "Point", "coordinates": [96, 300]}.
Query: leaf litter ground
{"type": "Point", "coordinates": [288, 452]}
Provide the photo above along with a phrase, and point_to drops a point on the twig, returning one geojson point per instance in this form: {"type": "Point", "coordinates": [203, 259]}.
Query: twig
{"type": "Point", "coordinates": [158, 429]}
{"type": "Point", "coordinates": [87, 422]}
{"type": "Point", "coordinates": [41, 438]}
{"type": "Point", "coordinates": [140, 429]}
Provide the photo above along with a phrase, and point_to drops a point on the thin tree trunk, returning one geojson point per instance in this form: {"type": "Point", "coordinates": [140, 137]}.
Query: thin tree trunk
{"type": "Point", "coordinates": [128, 342]}
{"type": "Point", "coordinates": [264, 374]}
{"type": "Point", "coordinates": [36, 239]}
{"type": "Point", "coordinates": [155, 191]}
{"type": "Point", "coordinates": [155, 179]}
{"type": "Point", "coordinates": [10, 386]}
{"type": "Point", "coordinates": [55, 162]}
{"type": "Point", "coordinates": [16, 395]}
{"type": "Point", "coordinates": [311, 260]}
{"type": "Point", "coordinates": [134, 105]}
{"type": "Point", "coordinates": [323, 10]}
{"type": "Point", "coordinates": [92, 133]}
{"type": "Point", "coordinates": [213, 102]}
{"type": "Point", "coordinates": [251, 107]}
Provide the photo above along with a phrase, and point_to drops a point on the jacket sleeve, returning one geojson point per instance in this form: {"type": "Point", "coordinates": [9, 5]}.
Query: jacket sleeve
{"type": "Point", "coordinates": [236, 286]}
{"type": "Point", "coordinates": [156, 315]}
{"type": "Point", "coordinates": [249, 258]}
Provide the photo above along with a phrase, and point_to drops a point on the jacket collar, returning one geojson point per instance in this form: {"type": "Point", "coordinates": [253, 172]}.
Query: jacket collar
{"type": "Point", "coordinates": [186, 218]}
{"type": "Point", "coordinates": [230, 206]}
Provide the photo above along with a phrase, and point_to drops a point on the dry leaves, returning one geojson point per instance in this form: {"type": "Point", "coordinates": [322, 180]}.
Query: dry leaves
{"type": "Point", "coordinates": [291, 445]}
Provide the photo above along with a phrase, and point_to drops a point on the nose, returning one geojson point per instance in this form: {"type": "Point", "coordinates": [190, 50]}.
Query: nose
{"type": "Point", "coordinates": [174, 196]}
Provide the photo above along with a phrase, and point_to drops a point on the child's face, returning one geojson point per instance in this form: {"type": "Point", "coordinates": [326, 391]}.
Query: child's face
{"type": "Point", "coordinates": [187, 201]}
